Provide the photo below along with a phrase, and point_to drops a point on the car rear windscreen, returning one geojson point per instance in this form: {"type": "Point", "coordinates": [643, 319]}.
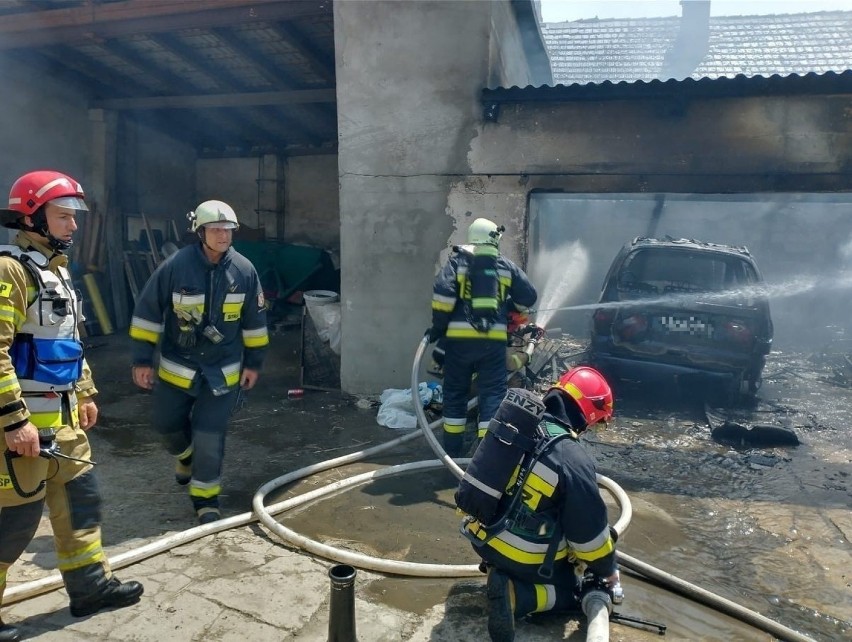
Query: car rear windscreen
{"type": "Point", "coordinates": [675, 270]}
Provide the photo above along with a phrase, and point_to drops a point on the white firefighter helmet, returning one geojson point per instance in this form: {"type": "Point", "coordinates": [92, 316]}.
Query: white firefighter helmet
{"type": "Point", "coordinates": [484, 232]}
{"type": "Point", "coordinates": [214, 213]}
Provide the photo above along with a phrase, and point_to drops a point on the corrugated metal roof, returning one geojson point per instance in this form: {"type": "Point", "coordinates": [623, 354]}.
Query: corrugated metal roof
{"type": "Point", "coordinates": [812, 83]}
{"type": "Point", "coordinates": [227, 76]}
{"type": "Point", "coordinates": [617, 50]}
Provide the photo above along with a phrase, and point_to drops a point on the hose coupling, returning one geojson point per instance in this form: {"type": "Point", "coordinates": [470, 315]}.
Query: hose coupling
{"type": "Point", "coordinates": [595, 595]}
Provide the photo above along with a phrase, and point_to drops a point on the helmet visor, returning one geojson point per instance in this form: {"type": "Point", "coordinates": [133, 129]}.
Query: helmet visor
{"type": "Point", "coordinates": [221, 225]}
{"type": "Point", "coordinates": [70, 202]}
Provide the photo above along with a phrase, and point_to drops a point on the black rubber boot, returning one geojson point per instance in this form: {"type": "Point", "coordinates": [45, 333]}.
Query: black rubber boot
{"type": "Point", "coordinates": [115, 595]}
{"type": "Point", "coordinates": [9, 633]}
{"type": "Point", "coordinates": [208, 515]}
{"type": "Point", "coordinates": [501, 607]}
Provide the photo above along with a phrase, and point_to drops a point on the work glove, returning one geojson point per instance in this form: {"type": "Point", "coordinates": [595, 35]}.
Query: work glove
{"type": "Point", "coordinates": [434, 334]}
{"type": "Point", "coordinates": [613, 583]}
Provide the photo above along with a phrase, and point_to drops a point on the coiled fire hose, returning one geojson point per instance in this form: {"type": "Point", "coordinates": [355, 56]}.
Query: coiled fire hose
{"type": "Point", "coordinates": [667, 580]}
{"type": "Point", "coordinates": [265, 513]}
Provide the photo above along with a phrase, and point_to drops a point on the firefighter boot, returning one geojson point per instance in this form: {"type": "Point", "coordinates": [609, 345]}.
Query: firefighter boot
{"type": "Point", "coordinates": [208, 514]}
{"type": "Point", "coordinates": [115, 594]}
{"type": "Point", "coordinates": [183, 467]}
{"type": "Point", "coordinates": [9, 633]}
{"type": "Point", "coordinates": [207, 509]}
{"type": "Point", "coordinates": [501, 606]}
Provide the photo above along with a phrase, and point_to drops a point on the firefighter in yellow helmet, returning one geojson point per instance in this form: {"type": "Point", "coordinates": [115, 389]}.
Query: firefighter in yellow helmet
{"type": "Point", "coordinates": [204, 308]}
{"type": "Point", "coordinates": [534, 512]}
{"type": "Point", "coordinates": [471, 299]}
{"type": "Point", "coordinates": [47, 398]}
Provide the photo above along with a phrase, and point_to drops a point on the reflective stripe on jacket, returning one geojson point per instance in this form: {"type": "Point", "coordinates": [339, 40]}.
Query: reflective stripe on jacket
{"type": "Point", "coordinates": [39, 317]}
{"type": "Point", "coordinates": [188, 290]}
{"type": "Point", "coordinates": [453, 284]}
{"type": "Point", "coordinates": [560, 498]}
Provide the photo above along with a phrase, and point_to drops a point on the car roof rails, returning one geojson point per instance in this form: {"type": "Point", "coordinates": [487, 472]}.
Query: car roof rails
{"type": "Point", "coordinates": [670, 240]}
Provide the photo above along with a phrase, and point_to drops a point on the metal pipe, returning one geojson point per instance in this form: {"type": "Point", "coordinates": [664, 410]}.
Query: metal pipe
{"type": "Point", "coordinates": [341, 610]}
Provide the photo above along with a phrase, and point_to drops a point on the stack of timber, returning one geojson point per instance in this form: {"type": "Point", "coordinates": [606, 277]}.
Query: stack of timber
{"type": "Point", "coordinates": [139, 264]}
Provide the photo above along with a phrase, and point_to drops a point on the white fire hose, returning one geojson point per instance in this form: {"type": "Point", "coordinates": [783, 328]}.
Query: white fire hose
{"type": "Point", "coordinates": [598, 610]}
{"type": "Point", "coordinates": [598, 616]}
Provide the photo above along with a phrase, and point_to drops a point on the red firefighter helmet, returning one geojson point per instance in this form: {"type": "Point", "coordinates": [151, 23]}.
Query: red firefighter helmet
{"type": "Point", "coordinates": [34, 189]}
{"type": "Point", "coordinates": [589, 389]}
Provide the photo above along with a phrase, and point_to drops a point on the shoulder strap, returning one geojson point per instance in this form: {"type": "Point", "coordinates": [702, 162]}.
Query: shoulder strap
{"type": "Point", "coordinates": [527, 464]}
{"type": "Point", "coordinates": [504, 522]}
{"type": "Point", "coordinates": [33, 262]}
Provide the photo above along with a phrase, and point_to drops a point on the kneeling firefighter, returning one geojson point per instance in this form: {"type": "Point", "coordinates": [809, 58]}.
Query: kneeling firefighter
{"type": "Point", "coordinates": [47, 398]}
{"type": "Point", "coordinates": [535, 514]}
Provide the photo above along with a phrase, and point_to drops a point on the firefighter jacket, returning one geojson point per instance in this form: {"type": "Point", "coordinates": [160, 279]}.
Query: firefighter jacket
{"type": "Point", "coordinates": [455, 303]}
{"type": "Point", "coordinates": [559, 514]}
{"type": "Point", "coordinates": [42, 368]}
{"type": "Point", "coordinates": [208, 319]}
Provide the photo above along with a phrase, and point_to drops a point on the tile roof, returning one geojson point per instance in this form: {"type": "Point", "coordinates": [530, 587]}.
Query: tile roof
{"type": "Point", "coordinates": [594, 51]}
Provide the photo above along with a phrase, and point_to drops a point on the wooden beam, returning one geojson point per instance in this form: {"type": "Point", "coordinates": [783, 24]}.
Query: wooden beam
{"type": "Point", "coordinates": [103, 129]}
{"type": "Point", "coordinates": [130, 17]}
{"type": "Point", "coordinates": [107, 81]}
{"type": "Point", "coordinates": [207, 101]}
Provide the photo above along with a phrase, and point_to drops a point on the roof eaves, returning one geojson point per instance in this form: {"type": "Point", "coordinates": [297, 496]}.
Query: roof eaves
{"type": "Point", "coordinates": [811, 83]}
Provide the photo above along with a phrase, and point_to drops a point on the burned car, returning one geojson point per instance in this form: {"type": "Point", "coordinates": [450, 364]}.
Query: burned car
{"type": "Point", "coordinates": [686, 309]}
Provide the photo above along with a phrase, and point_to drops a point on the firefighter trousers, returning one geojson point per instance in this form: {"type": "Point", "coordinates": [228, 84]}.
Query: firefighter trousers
{"type": "Point", "coordinates": [74, 507]}
{"type": "Point", "coordinates": [539, 598]}
{"type": "Point", "coordinates": [465, 358]}
{"type": "Point", "coordinates": [192, 425]}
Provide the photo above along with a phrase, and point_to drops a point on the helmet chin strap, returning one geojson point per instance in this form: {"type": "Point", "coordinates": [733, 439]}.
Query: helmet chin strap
{"type": "Point", "coordinates": [39, 226]}
{"type": "Point", "coordinates": [203, 236]}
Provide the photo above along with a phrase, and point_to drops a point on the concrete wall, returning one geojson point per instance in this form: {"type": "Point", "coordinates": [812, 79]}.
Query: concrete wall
{"type": "Point", "coordinates": [294, 200]}
{"type": "Point", "coordinates": [408, 82]}
{"type": "Point", "coordinates": [312, 210]}
{"type": "Point", "coordinates": [233, 180]}
{"type": "Point", "coordinates": [418, 162]}
{"type": "Point", "coordinates": [165, 170]}
{"type": "Point", "coordinates": [43, 125]}
{"type": "Point", "coordinates": [743, 142]}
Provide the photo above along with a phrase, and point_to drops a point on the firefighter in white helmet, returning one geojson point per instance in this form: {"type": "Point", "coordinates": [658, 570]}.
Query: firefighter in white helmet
{"type": "Point", "coordinates": [204, 308]}
{"type": "Point", "coordinates": [47, 398]}
{"type": "Point", "coordinates": [471, 299]}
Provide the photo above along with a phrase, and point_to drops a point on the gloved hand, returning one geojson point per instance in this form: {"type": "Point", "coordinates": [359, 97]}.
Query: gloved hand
{"type": "Point", "coordinates": [517, 320]}
{"type": "Point", "coordinates": [613, 583]}
{"type": "Point", "coordinates": [434, 334]}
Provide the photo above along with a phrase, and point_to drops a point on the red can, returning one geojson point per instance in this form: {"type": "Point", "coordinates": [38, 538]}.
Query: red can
{"type": "Point", "coordinates": [295, 393]}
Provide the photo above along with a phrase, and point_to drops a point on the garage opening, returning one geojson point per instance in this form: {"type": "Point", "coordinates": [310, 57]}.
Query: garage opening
{"type": "Point", "coordinates": [801, 242]}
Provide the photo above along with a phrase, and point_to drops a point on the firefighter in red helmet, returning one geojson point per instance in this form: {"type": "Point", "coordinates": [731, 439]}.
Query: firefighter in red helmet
{"type": "Point", "coordinates": [534, 512]}
{"type": "Point", "coordinates": [47, 398]}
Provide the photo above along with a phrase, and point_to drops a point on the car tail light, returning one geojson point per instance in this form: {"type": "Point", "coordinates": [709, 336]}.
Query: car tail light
{"type": "Point", "coordinates": [737, 331]}
{"type": "Point", "coordinates": [602, 320]}
{"type": "Point", "coordinates": [633, 327]}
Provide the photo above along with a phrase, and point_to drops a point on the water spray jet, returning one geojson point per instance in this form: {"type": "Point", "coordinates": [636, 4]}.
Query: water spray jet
{"type": "Point", "coordinates": [562, 271]}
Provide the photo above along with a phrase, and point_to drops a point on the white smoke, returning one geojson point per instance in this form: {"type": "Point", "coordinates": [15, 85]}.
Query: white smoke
{"type": "Point", "coordinates": [558, 274]}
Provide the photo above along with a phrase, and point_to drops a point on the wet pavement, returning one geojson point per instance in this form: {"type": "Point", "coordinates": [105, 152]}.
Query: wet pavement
{"type": "Point", "coordinates": [768, 528]}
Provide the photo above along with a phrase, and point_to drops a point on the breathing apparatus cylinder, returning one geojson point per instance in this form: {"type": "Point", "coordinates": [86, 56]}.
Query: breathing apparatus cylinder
{"type": "Point", "coordinates": [512, 432]}
{"type": "Point", "coordinates": [484, 285]}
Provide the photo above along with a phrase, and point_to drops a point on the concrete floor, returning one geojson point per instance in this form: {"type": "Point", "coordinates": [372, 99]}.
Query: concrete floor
{"type": "Point", "coordinates": [244, 583]}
